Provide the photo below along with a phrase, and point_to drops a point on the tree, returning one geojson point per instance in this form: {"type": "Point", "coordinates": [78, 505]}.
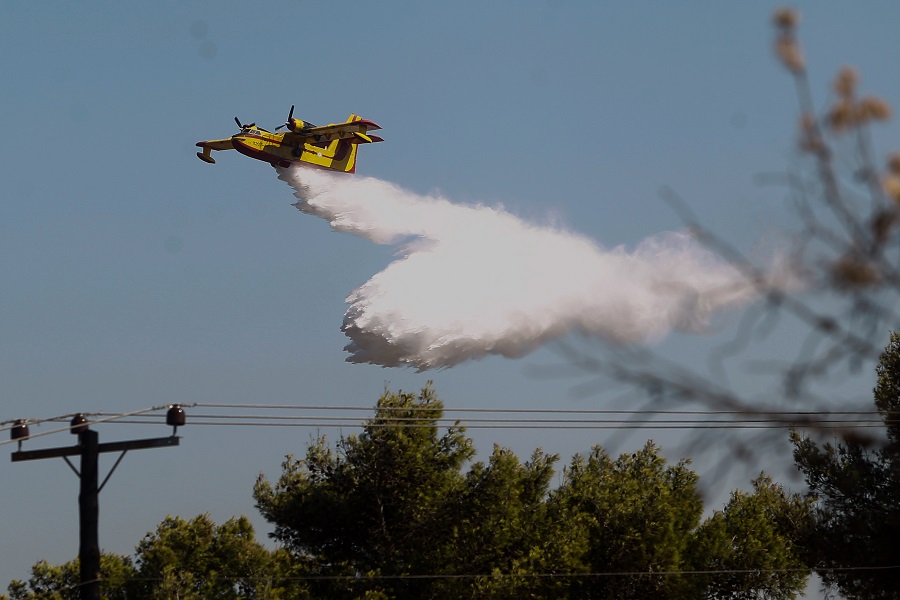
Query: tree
{"type": "Point", "coordinates": [185, 559]}
{"type": "Point", "coordinates": [49, 582]}
{"type": "Point", "coordinates": [756, 544]}
{"type": "Point", "coordinates": [502, 532]}
{"type": "Point", "coordinates": [635, 515]}
{"type": "Point", "coordinates": [379, 506]}
{"type": "Point", "coordinates": [391, 514]}
{"type": "Point", "coordinates": [858, 491]}
{"type": "Point", "coordinates": [199, 559]}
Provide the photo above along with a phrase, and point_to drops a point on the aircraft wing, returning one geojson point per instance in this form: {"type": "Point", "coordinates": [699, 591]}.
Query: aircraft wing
{"type": "Point", "coordinates": [209, 145]}
{"type": "Point", "coordinates": [217, 144]}
{"type": "Point", "coordinates": [337, 131]}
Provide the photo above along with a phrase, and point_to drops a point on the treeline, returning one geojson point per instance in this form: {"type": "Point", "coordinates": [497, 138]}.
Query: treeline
{"type": "Point", "coordinates": [394, 513]}
{"type": "Point", "coordinates": [401, 511]}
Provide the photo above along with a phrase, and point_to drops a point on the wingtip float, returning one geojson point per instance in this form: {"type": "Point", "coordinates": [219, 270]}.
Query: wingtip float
{"type": "Point", "coordinates": [331, 147]}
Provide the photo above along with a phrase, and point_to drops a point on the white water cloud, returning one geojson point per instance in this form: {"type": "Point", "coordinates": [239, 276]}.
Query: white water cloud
{"type": "Point", "coordinates": [475, 280]}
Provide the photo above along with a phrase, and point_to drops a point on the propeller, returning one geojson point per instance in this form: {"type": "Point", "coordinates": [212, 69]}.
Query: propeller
{"type": "Point", "coordinates": [290, 116]}
{"type": "Point", "coordinates": [238, 121]}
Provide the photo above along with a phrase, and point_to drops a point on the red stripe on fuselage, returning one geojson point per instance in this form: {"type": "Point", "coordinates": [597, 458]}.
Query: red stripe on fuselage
{"type": "Point", "coordinates": [254, 153]}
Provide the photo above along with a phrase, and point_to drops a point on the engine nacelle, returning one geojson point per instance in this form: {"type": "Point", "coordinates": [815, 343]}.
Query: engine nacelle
{"type": "Point", "coordinates": [297, 125]}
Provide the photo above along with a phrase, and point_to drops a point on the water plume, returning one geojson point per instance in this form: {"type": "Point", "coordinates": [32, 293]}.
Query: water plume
{"type": "Point", "coordinates": [473, 280]}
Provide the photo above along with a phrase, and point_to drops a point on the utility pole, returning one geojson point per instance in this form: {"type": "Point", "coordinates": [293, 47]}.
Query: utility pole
{"type": "Point", "coordinates": [90, 449]}
{"type": "Point", "coordinates": [89, 517]}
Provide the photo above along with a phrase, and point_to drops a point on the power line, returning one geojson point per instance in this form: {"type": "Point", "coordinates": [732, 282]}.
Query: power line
{"type": "Point", "coordinates": [640, 419]}
{"type": "Point", "coordinates": [348, 422]}
{"type": "Point", "coordinates": [12, 423]}
{"type": "Point", "coordinates": [107, 419]}
{"type": "Point", "coordinates": [459, 576]}
{"type": "Point", "coordinates": [402, 419]}
{"type": "Point", "coordinates": [529, 410]}
{"type": "Point", "coordinates": [785, 419]}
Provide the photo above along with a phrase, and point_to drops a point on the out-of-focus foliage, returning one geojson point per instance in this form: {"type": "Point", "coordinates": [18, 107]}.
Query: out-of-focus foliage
{"type": "Point", "coordinates": [833, 282]}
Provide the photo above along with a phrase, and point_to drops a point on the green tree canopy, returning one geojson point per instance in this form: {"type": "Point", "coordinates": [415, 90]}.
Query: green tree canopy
{"type": "Point", "coordinates": [635, 514]}
{"type": "Point", "coordinates": [500, 532]}
{"type": "Point", "coordinates": [60, 582]}
{"type": "Point", "coordinates": [858, 489]}
{"type": "Point", "coordinates": [392, 512]}
{"type": "Point", "coordinates": [402, 511]}
{"type": "Point", "coordinates": [756, 545]}
{"type": "Point", "coordinates": [381, 503]}
{"type": "Point", "coordinates": [187, 559]}
{"type": "Point", "coordinates": [199, 559]}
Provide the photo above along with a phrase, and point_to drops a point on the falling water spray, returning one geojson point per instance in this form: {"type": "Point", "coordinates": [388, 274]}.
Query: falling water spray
{"type": "Point", "coordinates": [469, 281]}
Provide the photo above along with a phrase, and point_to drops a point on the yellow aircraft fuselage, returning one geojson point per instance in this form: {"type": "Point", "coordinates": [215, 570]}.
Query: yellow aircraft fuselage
{"type": "Point", "coordinates": [331, 147]}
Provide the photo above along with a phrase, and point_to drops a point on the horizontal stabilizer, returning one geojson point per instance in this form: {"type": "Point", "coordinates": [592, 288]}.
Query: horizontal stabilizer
{"type": "Point", "coordinates": [369, 125]}
{"type": "Point", "coordinates": [225, 144]}
{"type": "Point", "coordinates": [362, 138]}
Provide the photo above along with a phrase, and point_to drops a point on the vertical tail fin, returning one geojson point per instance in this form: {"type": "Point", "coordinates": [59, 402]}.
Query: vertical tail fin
{"type": "Point", "coordinates": [350, 165]}
{"type": "Point", "coordinates": [357, 139]}
{"type": "Point", "coordinates": [340, 154]}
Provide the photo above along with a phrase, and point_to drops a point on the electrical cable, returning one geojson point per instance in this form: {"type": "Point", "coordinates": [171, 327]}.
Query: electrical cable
{"type": "Point", "coordinates": [593, 575]}
{"type": "Point", "coordinates": [526, 410]}
{"type": "Point", "coordinates": [95, 422]}
{"type": "Point", "coordinates": [516, 425]}
{"type": "Point", "coordinates": [831, 420]}
{"type": "Point", "coordinates": [13, 423]}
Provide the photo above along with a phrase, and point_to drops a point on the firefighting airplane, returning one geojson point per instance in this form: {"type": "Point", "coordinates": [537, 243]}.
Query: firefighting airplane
{"type": "Point", "coordinates": [329, 146]}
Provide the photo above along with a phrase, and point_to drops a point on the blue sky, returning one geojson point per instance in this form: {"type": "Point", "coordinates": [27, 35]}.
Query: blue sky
{"type": "Point", "coordinates": [132, 274]}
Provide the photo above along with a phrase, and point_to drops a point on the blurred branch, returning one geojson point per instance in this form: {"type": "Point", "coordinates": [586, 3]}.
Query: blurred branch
{"type": "Point", "coordinates": [844, 267]}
